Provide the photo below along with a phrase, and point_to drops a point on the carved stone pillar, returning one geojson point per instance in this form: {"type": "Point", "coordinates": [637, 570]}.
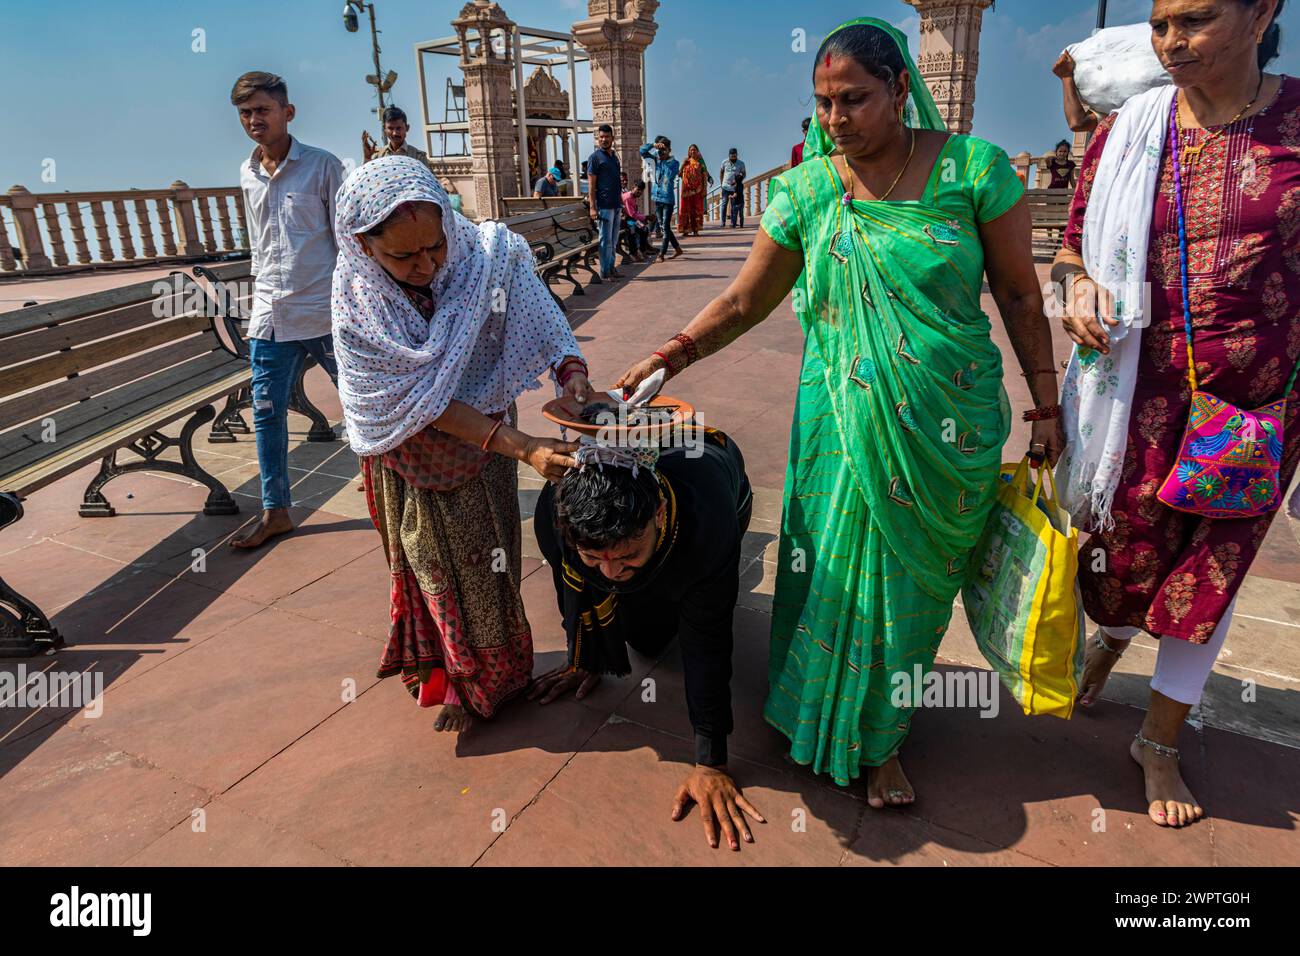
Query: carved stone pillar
{"type": "Point", "coordinates": [615, 36]}
{"type": "Point", "coordinates": [486, 45]}
{"type": "Point", "coordinates": [949, 56]}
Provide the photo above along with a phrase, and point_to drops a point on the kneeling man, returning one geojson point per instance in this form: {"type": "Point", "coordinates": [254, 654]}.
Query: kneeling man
{"type": "Point", "coordinates": [645, 546]}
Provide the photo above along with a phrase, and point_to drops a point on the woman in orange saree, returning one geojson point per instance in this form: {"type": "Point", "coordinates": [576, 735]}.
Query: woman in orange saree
{"type": "Point", "coordinates": [695, 182]}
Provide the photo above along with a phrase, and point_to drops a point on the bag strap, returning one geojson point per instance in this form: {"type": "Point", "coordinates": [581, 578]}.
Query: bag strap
{"type": "Point", "coordinates": [1182, 254]}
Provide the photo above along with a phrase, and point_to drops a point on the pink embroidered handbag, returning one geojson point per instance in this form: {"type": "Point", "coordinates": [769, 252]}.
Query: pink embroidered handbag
{"type": "Point", "coordinates": [1230, 458]}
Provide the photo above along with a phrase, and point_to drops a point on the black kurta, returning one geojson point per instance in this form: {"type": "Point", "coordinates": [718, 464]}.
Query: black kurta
{"type": "Point", "coordinates": [689, 591]}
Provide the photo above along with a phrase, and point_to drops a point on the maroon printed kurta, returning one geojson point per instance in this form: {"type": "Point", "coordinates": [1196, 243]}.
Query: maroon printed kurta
{"type": "Point", "coordinates": [1164, 571]}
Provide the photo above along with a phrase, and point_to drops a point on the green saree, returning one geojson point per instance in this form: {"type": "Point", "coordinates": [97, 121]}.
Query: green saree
{"type": "Point", "coordinates": [896, 444]}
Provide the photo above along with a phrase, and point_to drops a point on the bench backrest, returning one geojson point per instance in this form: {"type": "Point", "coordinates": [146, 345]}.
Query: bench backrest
{"type": "Point", "coordinates": [553, 231]}
{"type": "Point", "coordinates": [63, 353]}
{"type": "Point", "coordinates": [514, 205]}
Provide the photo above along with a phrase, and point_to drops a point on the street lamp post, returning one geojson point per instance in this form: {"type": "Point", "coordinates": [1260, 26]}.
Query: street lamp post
{"type": "Point", "coordinates": [379, 80]}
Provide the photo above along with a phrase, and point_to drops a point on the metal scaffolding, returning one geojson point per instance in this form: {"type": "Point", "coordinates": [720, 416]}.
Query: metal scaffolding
{"type": "Point", "coordinates": [532, 47]}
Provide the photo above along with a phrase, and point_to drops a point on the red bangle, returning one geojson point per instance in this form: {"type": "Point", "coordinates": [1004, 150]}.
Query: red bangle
{"type": "Point", "coordinates": [487, 441]}
{"type": "Point", "coordinates": [688, 343]}
{"type": "Point", "coordinates": [1042, 413]}
{"type": "Point", "coordinates": [667, 361]}
{"type": "Point", "coordinates": [1039, 371]}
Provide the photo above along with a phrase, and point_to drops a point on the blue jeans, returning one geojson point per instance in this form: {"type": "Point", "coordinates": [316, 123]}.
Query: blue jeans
{"type": "Point", "coordinates": [608, 239]}
{"type": "Point", "coordinates": [737, 208]}
{"type": "Point", "coordinates": [664, 213]}
{"type": "Point", "coordinates": [275, 368]}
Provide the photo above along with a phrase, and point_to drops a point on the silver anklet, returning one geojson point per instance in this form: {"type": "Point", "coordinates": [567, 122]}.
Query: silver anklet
{"type": "Point", "coordinates": [1160, 749]}
{"type": "Point", "coordinates": [1097, 641]}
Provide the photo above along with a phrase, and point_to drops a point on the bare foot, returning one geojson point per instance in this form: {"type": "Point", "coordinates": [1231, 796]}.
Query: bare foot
{"type": "Point", "coordinates": [1170, 803]}
{"type": "Point", "coordinates": [451, 718]}
{"type": "Point", "coordinates": [273, 523]}
{"type": "Point", "coordinates": [676, 253]}
{"type": "Point", "coordinates": [1097, 664]}
{"type": "Point", "coordinates": [887, 785]}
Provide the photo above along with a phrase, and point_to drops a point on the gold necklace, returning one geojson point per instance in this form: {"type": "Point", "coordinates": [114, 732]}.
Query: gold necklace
{"type": "Point", "coordinates": [849, 192]}
{"type": "Point", "coordinates": [1191, 155]}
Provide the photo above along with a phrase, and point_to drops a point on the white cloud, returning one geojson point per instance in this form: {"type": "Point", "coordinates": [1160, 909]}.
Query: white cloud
{"type": "Point", "coordinates": [684, 60]}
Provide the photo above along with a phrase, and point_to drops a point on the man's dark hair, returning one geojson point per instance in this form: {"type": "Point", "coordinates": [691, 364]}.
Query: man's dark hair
{"type": "Point", "coordinates": [605, 128]}
{"type": "Point", "coordinates": [806, 121]}
{"type": "Point", "coordinates": [257, 81]}
{"type": "Point", "coordinates": [873, 49]}
{"type": "Point", "coordinates": [1272, 42]}
{"type": "Point", "coordinates": [639, 187]}
{"type": "Point", "coordinates": [596, 508]}
{"type": "Point", "coordinates": [733, 151]}
{"type": "Point", "coordinates": [665, 140]}
{"type": "Point", "coordinates": [394, 115]}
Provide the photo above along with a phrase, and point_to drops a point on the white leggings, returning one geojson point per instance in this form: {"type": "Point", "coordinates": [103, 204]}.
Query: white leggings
{"type": "Point", "coordinates": [1182, 667]}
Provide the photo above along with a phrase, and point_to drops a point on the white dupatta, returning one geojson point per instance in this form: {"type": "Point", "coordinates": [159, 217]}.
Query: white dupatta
{"type": "Point", "coordinates": [494, 332]}
{"type": "Point", "coordinates": [1097, 394]}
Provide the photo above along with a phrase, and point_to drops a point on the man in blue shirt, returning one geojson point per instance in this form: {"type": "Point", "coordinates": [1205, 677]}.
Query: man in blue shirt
{"type": "Point", "coordinates": [548, 185]}
{"type": "Point", "coordinates": [664, 194]}
{"type": "Point", "coordinates": [605, 197]}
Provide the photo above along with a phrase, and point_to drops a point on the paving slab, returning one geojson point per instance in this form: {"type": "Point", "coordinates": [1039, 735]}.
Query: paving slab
{"type": "Point", "coordinates": [375, 785]}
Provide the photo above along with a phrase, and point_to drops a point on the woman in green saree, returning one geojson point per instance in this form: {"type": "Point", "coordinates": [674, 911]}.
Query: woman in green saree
{"type": "Point", "coordinates": [884, 233]}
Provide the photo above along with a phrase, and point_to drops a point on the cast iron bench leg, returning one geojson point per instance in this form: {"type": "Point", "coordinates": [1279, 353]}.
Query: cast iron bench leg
{"type": "Point", "coordinates": [149, 448]}
{"type": "Point", "coordinates": [300, 403]}
{"type": "Point", "coordinates": [29, 632]}
{"type": "Point", "coordinates": [229, 420]}
{"type": "Point", "coordinates": [568, 276]}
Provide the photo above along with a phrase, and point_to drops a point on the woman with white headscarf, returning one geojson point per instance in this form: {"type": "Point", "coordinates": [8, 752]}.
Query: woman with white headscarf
{"type": "Point", "coordinates": [439, 325]}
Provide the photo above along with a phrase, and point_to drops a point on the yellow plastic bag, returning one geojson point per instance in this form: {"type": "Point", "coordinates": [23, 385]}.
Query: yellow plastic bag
{"type": "Point", "coordinates": [1022, 595]}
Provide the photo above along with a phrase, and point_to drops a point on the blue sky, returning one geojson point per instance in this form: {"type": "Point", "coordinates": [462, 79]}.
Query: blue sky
{"type": "Point", "coordinates": [114, 94]}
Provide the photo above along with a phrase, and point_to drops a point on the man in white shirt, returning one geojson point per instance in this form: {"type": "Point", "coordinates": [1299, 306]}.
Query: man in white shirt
{"type": "Point", "coordinates": [289, 205]}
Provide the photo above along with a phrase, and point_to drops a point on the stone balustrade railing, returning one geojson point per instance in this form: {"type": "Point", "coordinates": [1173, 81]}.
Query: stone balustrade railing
{"type": "Point", "coordinates": [1033, 169]}
{"type": "Point", "coordinates": [754, 190]}
{"type": "Point", "coordinates": [46, 233]}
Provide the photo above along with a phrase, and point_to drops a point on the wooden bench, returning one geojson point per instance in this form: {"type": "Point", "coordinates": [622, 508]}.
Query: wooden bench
{"type": "Point", "coordinates": [85, 378]}
{"type": "Point", "coordinates": [561, 238]}
{"type": "Point", "coordinates": [516, 205]}
{"type": "Point", "coordinates": [230, 289]}
{"type": "Point", "coordinates": [1049, 210]}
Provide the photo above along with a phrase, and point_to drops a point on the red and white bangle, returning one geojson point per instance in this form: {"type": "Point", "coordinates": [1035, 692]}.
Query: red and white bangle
{"type": "Point", "coordinates": [568, 369]}
{"type": "Point", "coordinates": [1042, 413]}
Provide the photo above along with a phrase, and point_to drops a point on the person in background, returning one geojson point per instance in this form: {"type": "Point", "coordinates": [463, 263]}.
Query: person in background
{"type": "Point", "coordinates": [636, 232]}
{"type": "Point", "coordinates": [1061, 167]}
{"type": "Point", "coordinates": [605, 198]}
{"type": "Point", "coordinates": [396, 129]}
{"type": "Point", "coordinates": [548, 185]}
{"type": "Point", "coordinates": [288, 190]}
{"type": "Point", "coordinates": [648, 177]}
{"type": "Point", "coordinates": [1078, 117]}
{"type": "Point", "coordinates": [733, 181]}
{"type": "Point", "coordinates": [667, 170]}
{"type": "Point", "coordinates": [796, 154]}
{"type": "Point", "coordinates": [695, 184]}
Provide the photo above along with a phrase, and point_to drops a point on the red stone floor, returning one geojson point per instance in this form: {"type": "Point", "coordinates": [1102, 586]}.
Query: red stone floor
{"type": "Point", "coordinates": [242, 723]}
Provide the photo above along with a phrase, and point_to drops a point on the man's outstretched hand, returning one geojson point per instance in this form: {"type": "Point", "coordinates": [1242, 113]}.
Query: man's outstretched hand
{"type": "Point", "coordinates": [721, 805]}
{"type": "Point", "coordinates": [562, 680]}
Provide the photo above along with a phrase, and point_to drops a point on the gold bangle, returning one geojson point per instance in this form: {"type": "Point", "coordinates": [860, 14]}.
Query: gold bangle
{"type": "Point", "coordinates": [487, 441]}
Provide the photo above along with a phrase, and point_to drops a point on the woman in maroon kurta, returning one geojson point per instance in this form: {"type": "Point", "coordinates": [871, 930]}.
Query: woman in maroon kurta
{"type": "Point", "coordinates": [1172, 574]}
